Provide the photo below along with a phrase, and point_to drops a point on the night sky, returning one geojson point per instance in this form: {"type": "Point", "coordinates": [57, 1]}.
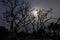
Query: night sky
{"type": "Point", "coordinates": [42, 4]}
{"type": "Point", "coordinates": [46, 4]}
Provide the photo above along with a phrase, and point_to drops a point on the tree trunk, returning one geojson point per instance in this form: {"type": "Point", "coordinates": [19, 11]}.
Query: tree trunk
{"type": "Point", "coordinates": [11, 28]}
{"type": "Point", "coordinates": [25, 26]}
{"type": "Point", "coordinates": [58, 33]}
{"type": "Point", "coordinates": [33, 28]}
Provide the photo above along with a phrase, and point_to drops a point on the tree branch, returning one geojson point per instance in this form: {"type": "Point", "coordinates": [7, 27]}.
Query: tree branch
{"type": "Point", "coordinates": [48, 19]}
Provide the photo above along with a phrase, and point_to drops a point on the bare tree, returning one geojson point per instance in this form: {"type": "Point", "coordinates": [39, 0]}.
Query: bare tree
{"type": "Point", "coordinates": [55, 27]}
{"type": "Point", "coordinates": [16, 14]}
{"type": "Point", "coordinates": [43, 17]}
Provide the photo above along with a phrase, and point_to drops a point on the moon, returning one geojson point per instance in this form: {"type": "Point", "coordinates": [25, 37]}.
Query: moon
{"type": "Point", "coordinates": [35, 13]}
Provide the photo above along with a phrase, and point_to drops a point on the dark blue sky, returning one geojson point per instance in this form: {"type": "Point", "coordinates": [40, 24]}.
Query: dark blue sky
{"type": "Point", "coordinates": [46, 4]}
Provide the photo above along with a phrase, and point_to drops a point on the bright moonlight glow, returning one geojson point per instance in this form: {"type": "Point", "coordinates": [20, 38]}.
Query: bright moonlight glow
{"type": "Point", "coordinates": [35, 13]}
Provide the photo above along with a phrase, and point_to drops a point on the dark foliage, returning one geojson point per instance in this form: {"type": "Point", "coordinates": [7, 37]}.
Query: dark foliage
{"type": "Point", "coordinates": [7, 35]}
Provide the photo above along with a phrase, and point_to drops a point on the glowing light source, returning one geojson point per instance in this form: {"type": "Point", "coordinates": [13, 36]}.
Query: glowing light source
{"type": "Point", "coordinates": [35, 13]}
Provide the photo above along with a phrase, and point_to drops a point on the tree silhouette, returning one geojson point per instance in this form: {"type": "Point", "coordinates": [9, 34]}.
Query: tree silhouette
{"type": "Point", "coordinates": [42, 19]}
{"type": "Point", "coordinates": [3, 33]}
{"type": "Point", "coordinates": [16, 14]}
{"type": "Point", "coordinates": [54, 27]}
{"type": "Point", "coordinates": [32, 20]}
{"type": "Point", "coordinates": [42, 15]}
